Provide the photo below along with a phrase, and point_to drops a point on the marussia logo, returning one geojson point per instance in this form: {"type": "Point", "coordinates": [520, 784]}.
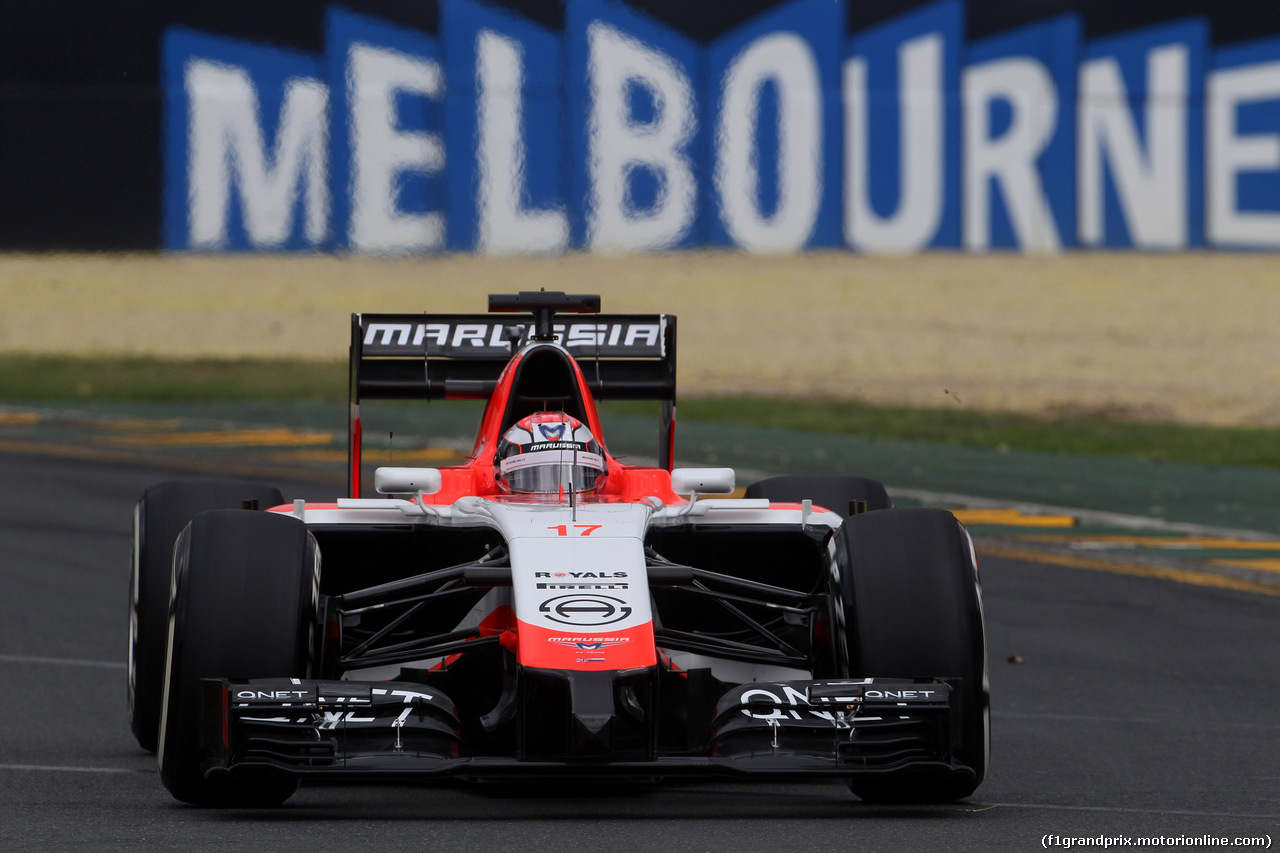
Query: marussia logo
{"type": "Point", "coordinates": [588, 647]}
{"type": "Point", "coordinates": [552, 432]}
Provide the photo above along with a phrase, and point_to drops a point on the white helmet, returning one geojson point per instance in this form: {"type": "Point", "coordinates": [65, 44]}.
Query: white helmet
{"type": "Point", "coordinates": [549, 453]}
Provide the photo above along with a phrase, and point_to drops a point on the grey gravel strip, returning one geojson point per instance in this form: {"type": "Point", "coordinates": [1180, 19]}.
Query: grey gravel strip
{"type": "Point", "coordinates": [61, 769]}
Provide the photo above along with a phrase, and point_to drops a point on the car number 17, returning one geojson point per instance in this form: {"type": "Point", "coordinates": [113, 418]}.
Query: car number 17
{"type": "Point", "coordinates": [583, 529]}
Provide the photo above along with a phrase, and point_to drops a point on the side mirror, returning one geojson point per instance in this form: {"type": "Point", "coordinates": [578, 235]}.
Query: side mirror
{"type": "Point", "coordinates": [393, 481]}
{"type": "Point", "coordinates": [702, 481]}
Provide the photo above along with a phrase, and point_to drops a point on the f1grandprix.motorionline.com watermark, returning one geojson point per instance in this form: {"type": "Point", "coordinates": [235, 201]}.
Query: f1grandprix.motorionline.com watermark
{"type": "Point", "coordinates": [1106, 841]}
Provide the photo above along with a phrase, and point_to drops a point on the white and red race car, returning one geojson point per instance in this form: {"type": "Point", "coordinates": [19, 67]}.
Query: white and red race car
{"type": "Point", "coordinates": [545, 610]}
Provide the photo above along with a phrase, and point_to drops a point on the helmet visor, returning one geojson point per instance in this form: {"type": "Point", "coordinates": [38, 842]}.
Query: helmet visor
{"type": "Point", "coordinates": [552, 471]}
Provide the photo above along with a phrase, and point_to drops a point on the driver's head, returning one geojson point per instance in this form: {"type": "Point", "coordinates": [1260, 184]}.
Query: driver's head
{"type": "Point", "coordinates": [549, 453]}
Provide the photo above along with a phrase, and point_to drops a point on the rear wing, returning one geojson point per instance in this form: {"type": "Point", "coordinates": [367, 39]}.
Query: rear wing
{"type": "Point", "coordinates": [461, 356]}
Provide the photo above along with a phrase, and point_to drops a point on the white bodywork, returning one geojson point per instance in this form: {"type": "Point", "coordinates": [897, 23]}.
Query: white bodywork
{"type": "Point", "coordinates": [578, 570]}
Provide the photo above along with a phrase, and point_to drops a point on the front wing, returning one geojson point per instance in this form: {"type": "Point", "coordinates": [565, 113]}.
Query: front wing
{"type": "Point", "coordinates": [845, 729]}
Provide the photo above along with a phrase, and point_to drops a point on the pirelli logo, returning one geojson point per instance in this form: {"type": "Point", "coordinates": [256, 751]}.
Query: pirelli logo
{"type": "Point", "coordinates": [583, 585]}
{"type": "Point", "coordinates": [483, 336]}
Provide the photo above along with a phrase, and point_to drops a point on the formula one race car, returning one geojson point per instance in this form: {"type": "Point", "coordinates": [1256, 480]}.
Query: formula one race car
{"type": "Point", "coordinates": [544, 610]}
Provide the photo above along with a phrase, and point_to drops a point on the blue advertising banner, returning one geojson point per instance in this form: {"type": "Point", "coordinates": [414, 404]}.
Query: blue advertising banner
{"type": "Point", "coordinates": [773, 111]}
{"type": "Point", "coordinates": [902, 132]}
{"type": "Point", "coordinates": [1242, 160]}
{"type": "Point", "coordinates": [1019, 138]}
{"type": "Point", "coordinates": [603, 127]}
{"type": "Point", "coordinates": [246, 137]}
{"type": "Point", "coordinates": [1141, 138]}
{"type": "Point", "coordinates": [634, 125]}
{"type": "Point", "coordinates": [505, 132]}
{"type": "Point", "coordinates": [387, 152]}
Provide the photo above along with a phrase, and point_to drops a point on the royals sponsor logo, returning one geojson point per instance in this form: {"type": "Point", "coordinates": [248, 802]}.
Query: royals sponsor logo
{"type": "Point", "coordinates": [579, 574]}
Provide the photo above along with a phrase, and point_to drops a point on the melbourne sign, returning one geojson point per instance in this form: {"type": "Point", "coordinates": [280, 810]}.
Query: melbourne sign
{"type": "Point", "coordinates": [617, 134]}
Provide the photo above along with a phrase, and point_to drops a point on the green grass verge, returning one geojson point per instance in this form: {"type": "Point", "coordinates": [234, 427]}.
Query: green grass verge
{"type": "Point", "coordinates": [1075, 435]}
{"type": "Point", "coordinates": [39, 378]}
{"type": "Point", "coordinates": [35, 379]}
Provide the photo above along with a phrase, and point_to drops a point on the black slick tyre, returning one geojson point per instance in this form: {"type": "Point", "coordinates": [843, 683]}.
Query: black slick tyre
{"type": "Point", "coordinates": [244, 605]}
{"type": "Point", "coordinates": [912, 608]}
{"type": "Point", "coordinates": [833, 492]}
{"type": "Point", "coordinates": [157, 520]}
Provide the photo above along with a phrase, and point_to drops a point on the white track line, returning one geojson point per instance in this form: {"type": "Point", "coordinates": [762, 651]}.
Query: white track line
{"type": "Point", "coordinates": [103, 664]}
{"type": "Point", "coordinates": [1117, 810]}
{"type": "Point", "coordinates": [1093, 718]}
{"type": "Point", "coordinates": [1090, 516]}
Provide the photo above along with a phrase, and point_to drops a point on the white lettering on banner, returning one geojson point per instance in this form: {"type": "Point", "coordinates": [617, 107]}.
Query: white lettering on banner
{"type": "Point", "coordinates": [921, 172]}
{"type": "Point", "coordinates": [787, 60]}
{"type": "Point", "coordinates": [1152, 187]}
{"type": "Point", "coordinates": [226, 148]}
{"type": "Point", "coordinates": [505, 225]}
{"type": "Point", "coordinates": [247, 161]}
{"type": "Point", "coordinates": [1228, 155]}
{"type": "Point", "coordinates": [617, 145]}
{"type": "Point", "coordinates": [1011, 159]}
{"type": "Point", "coordinates": [381, 151]}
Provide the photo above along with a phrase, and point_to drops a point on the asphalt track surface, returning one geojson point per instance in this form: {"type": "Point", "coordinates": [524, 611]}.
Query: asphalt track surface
{"type": "Point", "coordinates": [1135, 707]}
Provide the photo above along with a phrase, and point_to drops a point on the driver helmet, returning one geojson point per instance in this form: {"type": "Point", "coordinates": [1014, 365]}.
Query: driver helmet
{"type": "Point", "coordinates": [549, 453]}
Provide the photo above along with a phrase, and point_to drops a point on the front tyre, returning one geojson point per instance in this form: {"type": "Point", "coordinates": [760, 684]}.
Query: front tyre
{"type": "Point", "coordinates": [159, 517]}
{"type": "Point", "coordinates": [911, 606]}
{"type": "Point", "coordinates": [244, 604]}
